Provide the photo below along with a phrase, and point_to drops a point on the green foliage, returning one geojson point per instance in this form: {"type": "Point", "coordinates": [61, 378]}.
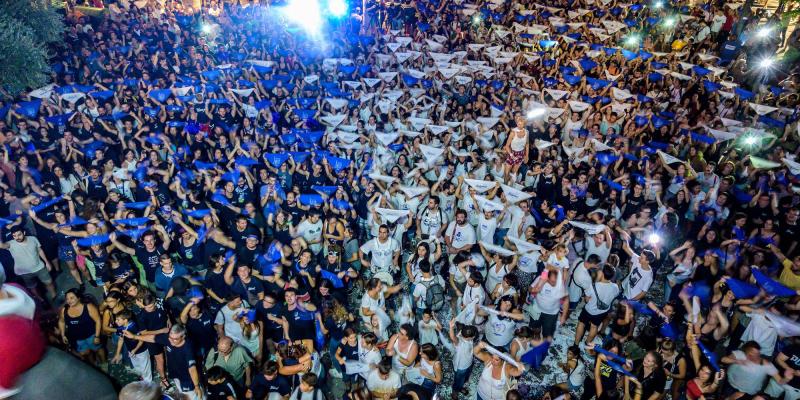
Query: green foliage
{"type": "Point", "coordinates": [27, 29]}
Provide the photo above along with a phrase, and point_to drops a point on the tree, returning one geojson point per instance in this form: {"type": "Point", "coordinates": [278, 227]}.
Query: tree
{"type": "Point", "coordinates": [28, 29]}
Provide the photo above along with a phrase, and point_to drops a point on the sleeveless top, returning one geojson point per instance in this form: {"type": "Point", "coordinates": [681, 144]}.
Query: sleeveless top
{"type": "Point", "coordinates": [493, 277]}
{"type": "Point", "coordinates": [80, 327]}
{"type": "Point", "coordinates": [396, 364]}
{"type": "Point", "coordinates": [523, 348]}
{"type": "Point", "coordinates": [490, 388]}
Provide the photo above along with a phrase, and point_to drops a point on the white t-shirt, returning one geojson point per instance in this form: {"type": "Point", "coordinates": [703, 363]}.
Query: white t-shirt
{"type": "Point", "coordinates": [382, 253]}
{"type": "Point", "coordinates": [581, 282]}
{"type": "Point", "coordinates": [762, 332]}
{"type": "Point", "coordinates": [462, 357]}
{"type": "Point", "coordinates": [549, 298]}
{"type": "Point", "coordinates": [606, 291]}
{"type": "Point", "coordinates": [26, 255]}
{"type": "Point", "coordinates": [638, 280]}
{"type": "Point", "coordinates": [369, 357]}
{"type": "Point", "coordinates": [553, 260]}
{"type": "Point", "coordinates": [748, 378]}
{"type": "Point", "coordinates": [602, 251]}
{"type": "Point", "coordinates": [371, 304]}
{"type": "Point", "coordinates": [421, 288]}
{"type": "Point", "coordinates": [378, 386]}
{"type": "Point", "coordinates": [460, 235]}
{"type": "Point", "coordinates": [310, 233]}
{"type": "Point", "coordinates": [486, 228]}
{"type": "Point", "coordinates": [231, 327]}
{"type": "Point", "coordinates": [473, 295]}
{"type": "Point", "coordinates": [431, 221]}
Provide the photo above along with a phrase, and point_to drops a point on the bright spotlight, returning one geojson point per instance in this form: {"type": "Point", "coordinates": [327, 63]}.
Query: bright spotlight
{"type": "Point", "coordinates": [669, 22]}
{"type": "Point", "coordinates": [766, 63]}
{"type": "Point", "coordinates": [764, 32]}
{"type": "Point", "coordinates": [536, 113]}
{"type": "Point", "coordinates": [632, 40]}
{"type": "Point", "coordinates": [750, 140]}
{"type": "Point", "coordinates": [477, 19]}
{"type": "Point", "coordinates": [658, 4]}
{"type": "Point", "coordinates": [306, 14]}
{"type": "Point", "coordinates": [337, 8]}
{"type": "Point", "coordinates": [654, 238]}
{"type": "Point", "coordinates": [206, 28]}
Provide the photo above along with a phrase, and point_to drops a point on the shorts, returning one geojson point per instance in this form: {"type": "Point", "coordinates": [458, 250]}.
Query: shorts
{"type": "Point", "coordinates": [548, 324]}
{"type": "Point", "coordinates": [41, 275]}
{"type": "Point", "coordinates": [66, 253]}
{"type": "Point", "coordinates": [87, 344]}
{"type": "Point", "coordinates": [595, 320]}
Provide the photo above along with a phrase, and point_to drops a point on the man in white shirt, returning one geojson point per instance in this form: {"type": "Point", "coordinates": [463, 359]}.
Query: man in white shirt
{"type": "Point", "coordinates": [374, 299]}
{"type": "Point", "coordinates": [310, 229]}
{"type": "Point", "coordinates": [638, 281]}
{"type": "Point", "coordinates": [30, 262]}
{"type": "Point", "coordinates": [760, 330]}
{"type": "Point", "coordinates": [549, 292]}
{"type": "Point", "coordinates": [384, 252]}
{"type": "Point", "coordinates": [228, 317]}
{"type": "Point", "coordinates": [459, 235]}
{"type": "Point", "coordinates": [599, 298]}
{"type": "Point", "coordinates": [521, 219]}
{"type": "Point", "coordinates": [431, 220]}
{"type": "Point", "coordinates": [748, 371]}
{"type": "Point", "coordinates": [580, 283]}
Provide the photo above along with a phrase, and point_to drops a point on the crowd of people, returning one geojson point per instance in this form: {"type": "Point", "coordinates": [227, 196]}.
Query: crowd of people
{"type": "Point", "coordinates": [491, 200]}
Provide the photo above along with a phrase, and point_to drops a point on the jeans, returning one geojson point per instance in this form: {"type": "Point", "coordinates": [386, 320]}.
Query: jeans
{"type": "Point", "coordinates": [460, 378]}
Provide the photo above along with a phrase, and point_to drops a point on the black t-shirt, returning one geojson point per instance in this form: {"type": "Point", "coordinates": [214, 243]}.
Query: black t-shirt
{"type": "Point", "coordinates": [220, 391]}
{"type": "Point", "coordinates": [179, 360]}
{"type": "Point", "coordinates": [201, 331]}
{"type": "Point", "coordinates": [655, 382]}
{"type": "Point", "coordinates": [302, 324]}
{"type": "Point", "coordinates": [149, 260]}
{"type": "Point", "coordinates": [130, 344]}
{"type": "Point", "coordinates": [792, 352]}
{"type": "Point", "coordinates": [152, 321]}
{"type": "Point", "coordinates": [245, 256]}
{"type": "Point", "coordinates": [262, 387]}
{"type": "Point", "coordinates": [215, 281]}
{"type": "Point", "coordinates": [250, 291]}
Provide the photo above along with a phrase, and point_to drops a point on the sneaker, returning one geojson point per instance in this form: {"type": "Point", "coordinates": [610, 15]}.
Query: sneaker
{"type": "Point", "coordinates": [335, 373]}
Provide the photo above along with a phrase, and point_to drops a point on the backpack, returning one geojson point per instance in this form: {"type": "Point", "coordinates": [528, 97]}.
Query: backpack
{"type": "Point", "coordinates": [434, 295]}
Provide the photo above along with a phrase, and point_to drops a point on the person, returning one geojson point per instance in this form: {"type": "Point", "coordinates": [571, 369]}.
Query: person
{"type": "Point", "coordinates": [79, 323]}
{"type": "Point", "coordinates": [234, 360]}
{"type": "Point", "coordinates": [30, 262]}
{"type": "Point", "coordinates": [268, 382]}
{"type": "Point", "coordinates": [308, 390]}
{"type": "Point", "coordinates": [219, 387]}
{"type": "Point", "coordinates": [430, 368]}
{"type": "Point", "coordinates": [180, 360]}
{"type": "Point", "coordinates": [227, 320]}
{"type": "Point", "coordinates": [574, 367]}
{"type": "Point", "coordinates": [748, 371]}
{"type": "Point", "coordinates": [141, 390]}
{"type": "Point", "coordinates": [602, 294]}
{"type": "Point", "coordinates": [137, 351]}
{"type": "Point", "coordinates": [383, 382]}
{"type": "Point", "coordinates": [462, 356]}
{"type": "Point", "coordinates": [550, 298]}
{"type": "Point", "coordinates": [403, 349]}
{"type": "Point", "coordinates": [383, 251]}
{"type": "Point", "coordinates": [495, 380]}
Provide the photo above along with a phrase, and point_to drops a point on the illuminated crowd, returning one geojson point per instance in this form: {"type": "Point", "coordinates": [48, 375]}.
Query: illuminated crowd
{"type": "Point", "coordinates": [471, 200]}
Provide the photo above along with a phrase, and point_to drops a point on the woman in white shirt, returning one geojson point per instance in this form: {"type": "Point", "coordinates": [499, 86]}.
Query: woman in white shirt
{"type": "Point", "coordinates": [430, 367]}
{"type": "Point", "coordinates": [501, 323]}
{"type": "Point", "coordinates": [403, 349]}
{"type": "Point", "coordinates": [496, 379]}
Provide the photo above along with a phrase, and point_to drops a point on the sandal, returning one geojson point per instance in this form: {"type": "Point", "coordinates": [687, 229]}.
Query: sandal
{"type": "Point", "coordinates": [165, 384]}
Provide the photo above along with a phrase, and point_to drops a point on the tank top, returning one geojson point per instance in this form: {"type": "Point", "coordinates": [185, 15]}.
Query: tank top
{"type": "Point", "coordinates": [490, 388]}
{"type": "Point", "coordinates": [518, 143]}
{"type": "Point", "coordinates": [100, 262]}
{"type": "Point", "coordinates": [80, 327]}
{"type": "Point", "coordinates": [396, 364]}
{"type": "Point", "coordinates": [577, 376]}
{"type": "Point", "coordinates": [523, 348]}
{"type": "Point", "coordinates": [493, 277]}
{"type": "Point", "coordinates": [499, 331]}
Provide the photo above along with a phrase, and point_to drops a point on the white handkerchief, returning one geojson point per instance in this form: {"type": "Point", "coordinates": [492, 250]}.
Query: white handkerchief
{"type": "Point", "coordinates": [762, 109]}
{"type": "Point", "coordinates": [591, 229]}
{"type": "Point", "coordinates": [402, 56]}
{"type": "Point", "coordinates": [390, 215]}
{"type": "Point", "coordinates": [542, 144]}
{"type": "Point", "coordinates": [371, 82]}
{"type": "Point", "coordinates": [489, 205]}
{"type": "Point", "coordinates": [387, 76]}
{"type": "Point", "coordinates": [43, 92]}
{"type": "Point", "coordinates": [578, 106]}
{"type": "Point", "coordinates": [352, 84]}
{"type": "Point", "coordinates": [680, 76]}
{"type": "Point", "coordinates": [383, 178]}
{"type": "Point", "coordinates": [463, 80]}
{"type": "Point", "coordinates": [522, 245]}
{"type": "Point", "coordinates": [337, 104]}
{"type": "Point", "coordinates": [419, 123]}
{"type": "Point", "coordinates": [73, 97]}
{"type": "Point", "coordinates": [480, 186]}
{"type": "Point", "coordinates": [310, 79]}
{"type": "Point", "coordinates": [514, 195]}
{"type": "Point", "coordinates": [387, 138]}
{"type": "Point", "coordinates": [393, 46]}
{"type": "Point", "coordinates": [434, 45]}
{"type": "Point", "coordinates": [242, 92]}
{"type": "Point", "coordinates": [348, 137]}
{"type": "Point", "coordinates": [730, 122]}
{"type": "Point", "coordinates": [414, 191]}
{"type": "Point", "coordinates": [762, 163]}
{"type": "Point", "coordinates": [437, 129]}
{"type": "Point", "coordinates": [620, 94]}
{"type": "Point", "coordinates": [600, 146]}
{"type": "Point", "coordinates": [448, 73]}
{"type": "Point", "coordinates": [475, 47]}
{"type": "Point", "coordinates": [183, 91]}
{"type": "Point", "coordinates": [556, 94]}
{"type": "Point", "coordinates": [722, 136]}
{"type": "Point", "coordinates": [668, 159]}
{"type": "Point", "coordinates": [411, 134]}
{"type": "Point", "coordinates": [488, 122]}
{"type": "Point", "coordinates": [459, 153]}
{"type": "Point", "coordinates": [496, 249]}
{"type": "Point", "coordinates": [430, 153]}
{"type": "Point", "coordinates": [794, 166]}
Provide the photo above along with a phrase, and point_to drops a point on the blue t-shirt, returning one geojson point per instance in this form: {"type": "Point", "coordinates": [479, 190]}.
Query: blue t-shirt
{"type": "Point", "coordinates": [163, 281]}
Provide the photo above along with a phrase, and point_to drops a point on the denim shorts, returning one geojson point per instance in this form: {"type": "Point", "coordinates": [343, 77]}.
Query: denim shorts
{"type": "Point", "coordinates": [86, 345]}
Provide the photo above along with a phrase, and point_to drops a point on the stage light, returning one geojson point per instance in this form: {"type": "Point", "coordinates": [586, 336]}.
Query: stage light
{"type": "Point", "coordinates": [750, 140]}
{"type": "Point", "coordinates": [337, 8]}
{"type": "Point", "coordinates": [658, 4]}
{"type": "Point", "coordinates": [206, 28]}
{"type": "Point", "coordinates": [477, 19]}
{"type": "Point", "coordinates": [654, 238]}
{"type": "Point", "coordinates": [766, 63]}
{"type": "Point", "coordinates": [669, 22]}
{"type": "Point", "coordinates": [306, 14]}
{"type": "Point", "coordinates": [536, 113]}
{"type": "Point", "coordinates": [632, 40]}
{"type": "Point", "coordinates": [764, 32]}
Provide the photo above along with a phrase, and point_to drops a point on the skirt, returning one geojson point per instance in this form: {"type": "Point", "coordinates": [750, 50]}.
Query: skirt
{"type": "Point", "coordinates": [515, 158]}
